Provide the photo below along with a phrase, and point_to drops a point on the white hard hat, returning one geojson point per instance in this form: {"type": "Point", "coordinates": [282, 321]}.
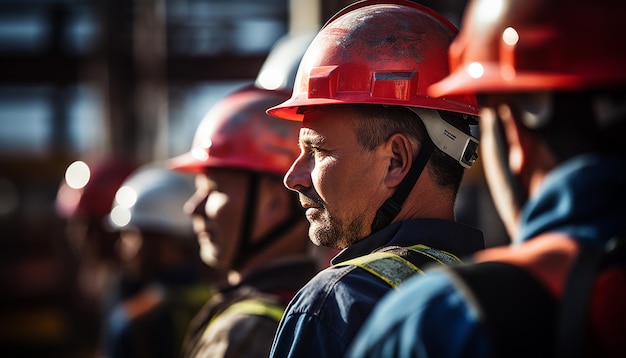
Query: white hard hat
{"type": "Point", "coordinates": [152, 198]}
{"type": "Point", "coordinates": [278, 72]}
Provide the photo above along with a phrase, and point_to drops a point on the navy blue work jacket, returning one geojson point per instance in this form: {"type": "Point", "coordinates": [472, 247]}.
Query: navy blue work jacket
{"type": "Point", "coordinates": [325, 315]}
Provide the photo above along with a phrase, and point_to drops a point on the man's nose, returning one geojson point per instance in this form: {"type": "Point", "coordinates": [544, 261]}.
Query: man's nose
{"type": "Point", "coordinates": [298, 176]}
{"type": "Point", "coordinates": [195, 205]}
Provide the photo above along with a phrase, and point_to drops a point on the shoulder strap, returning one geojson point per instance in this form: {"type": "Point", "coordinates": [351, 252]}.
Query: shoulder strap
{"type": "Point", "coordinates": [575, 300]}
{"type": "Point", "coordinates": [395, 264]}
{"type": "Point", "coordinates": [573, 311]}
{"type": "Point", "coordinates": [512, 303]}
{"type": "Point", "coordinates": [517, 311]}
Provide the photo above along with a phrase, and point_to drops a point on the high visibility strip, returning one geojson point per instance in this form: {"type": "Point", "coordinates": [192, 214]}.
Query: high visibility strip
{"type": "Point", "coordinates": [387, 266]}
{"type": "Point", "coordinates": [393, 268]}
{"type": "Point", "coordinates": [256, 307]}
{"type": "Point", "coordinates": [442, 257]}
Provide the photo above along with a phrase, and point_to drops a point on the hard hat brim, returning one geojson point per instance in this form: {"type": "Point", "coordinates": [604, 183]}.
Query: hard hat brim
{"type": "Point", "coordinates": [186, 163]}
{"type": "Point", "coordinates": [290, 109]}
{"type": "Point", "coordinates": [495, 79]}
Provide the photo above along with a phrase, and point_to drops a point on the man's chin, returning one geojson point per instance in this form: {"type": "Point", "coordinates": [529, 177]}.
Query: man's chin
{"type": "Point", "coordinates": [320, 236]}
{"type": "Point", "coordinates": [209, 258]}
{"type": "Point", "coordinates": [208, 253]}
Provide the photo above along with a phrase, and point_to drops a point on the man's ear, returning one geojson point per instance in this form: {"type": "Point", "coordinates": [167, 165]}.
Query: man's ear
{"type": "Point", "coordinates": [400, 149]}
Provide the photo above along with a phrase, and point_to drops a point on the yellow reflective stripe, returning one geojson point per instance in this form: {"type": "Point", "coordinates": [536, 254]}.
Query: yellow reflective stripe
{"type": "Point", "coordinates": [393, 268]}
{"type": "Point", "coordinates": [254, 307]}
{"type": "Point", "coordinates": [442, 257]}
{"type": "Point", "coordinates": [387, 266]}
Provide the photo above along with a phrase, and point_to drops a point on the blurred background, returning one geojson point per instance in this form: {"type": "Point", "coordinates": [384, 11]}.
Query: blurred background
{"type": "Point", "coordinates": [93, 79]}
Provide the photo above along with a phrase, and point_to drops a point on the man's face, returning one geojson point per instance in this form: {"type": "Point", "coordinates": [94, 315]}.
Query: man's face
{"type": "Point", "coordinates": [340, 183]}
{"type": "Point", "coordinates": [217, 209]}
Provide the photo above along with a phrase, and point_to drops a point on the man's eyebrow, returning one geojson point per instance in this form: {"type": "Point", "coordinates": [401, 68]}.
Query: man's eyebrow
{"type": "Point", "coordinates": [311, 139]}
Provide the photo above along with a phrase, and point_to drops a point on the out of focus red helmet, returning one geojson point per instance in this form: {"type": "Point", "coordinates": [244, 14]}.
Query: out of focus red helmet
{"type": "Point", "coordinates": [88, 189]}
{"type": "Point", "coordinates": [237, 133]}
{"type": "Point", "coordinates": [537, 45]}
{"type": "Point", "coordinates": [375, 52]}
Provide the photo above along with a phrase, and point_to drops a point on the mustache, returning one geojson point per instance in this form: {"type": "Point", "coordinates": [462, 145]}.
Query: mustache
{"type": "Point", "coordinates": [310, 199]}
{"type": "Point", "coordinates": [201, 224]}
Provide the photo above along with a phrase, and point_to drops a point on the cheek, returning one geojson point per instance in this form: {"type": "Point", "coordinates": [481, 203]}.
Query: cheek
{"type": "Point", "coordinates": [225, 211]}
{"type": "Point", "coordinates": [341, 187]}
{"type": "Point", "coordinates": [327, 180]}
{"type": "Point", "coordinates": [215, 204]}
{"type": "Point", "coordinates": [129, 246]}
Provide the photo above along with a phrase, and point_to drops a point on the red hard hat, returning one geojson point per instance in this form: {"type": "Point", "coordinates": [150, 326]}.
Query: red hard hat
{"type": "Point", "coordinates": [237, 133]}
{"type": "Point", "coordinates": [376, 53]}
{"type": "Point", "coordinates": [95, 192]}
{"type": "Point", "coordinates": [537, 45]}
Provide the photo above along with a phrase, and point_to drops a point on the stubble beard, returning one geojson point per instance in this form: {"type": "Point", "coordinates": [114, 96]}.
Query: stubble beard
{"type": "Point", "coordinates": [331, 232]}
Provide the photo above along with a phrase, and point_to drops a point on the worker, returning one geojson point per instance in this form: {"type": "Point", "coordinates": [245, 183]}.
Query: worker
{"type": "Point", "coordinates": [161, 283]}
{"type": "Point", "coordinates": [247, 223]}
{"type": "Point", "coordinates": [550, 79]}
{"type": "Point", "coordinates": [379, 168]}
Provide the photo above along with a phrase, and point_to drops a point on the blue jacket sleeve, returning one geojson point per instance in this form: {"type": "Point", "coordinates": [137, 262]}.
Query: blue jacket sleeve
{"type": "Point", "coordinates": [426, 317]}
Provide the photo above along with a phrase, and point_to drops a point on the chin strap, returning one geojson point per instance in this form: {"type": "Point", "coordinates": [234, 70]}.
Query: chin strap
{"type": "Point", "coordinates": [247, 248]}
{"type": "Point", "coordinates": [391, 207]}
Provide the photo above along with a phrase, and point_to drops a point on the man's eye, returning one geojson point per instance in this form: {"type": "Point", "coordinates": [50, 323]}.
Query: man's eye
{"type": "Point", "coordinates": [315, 150]}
